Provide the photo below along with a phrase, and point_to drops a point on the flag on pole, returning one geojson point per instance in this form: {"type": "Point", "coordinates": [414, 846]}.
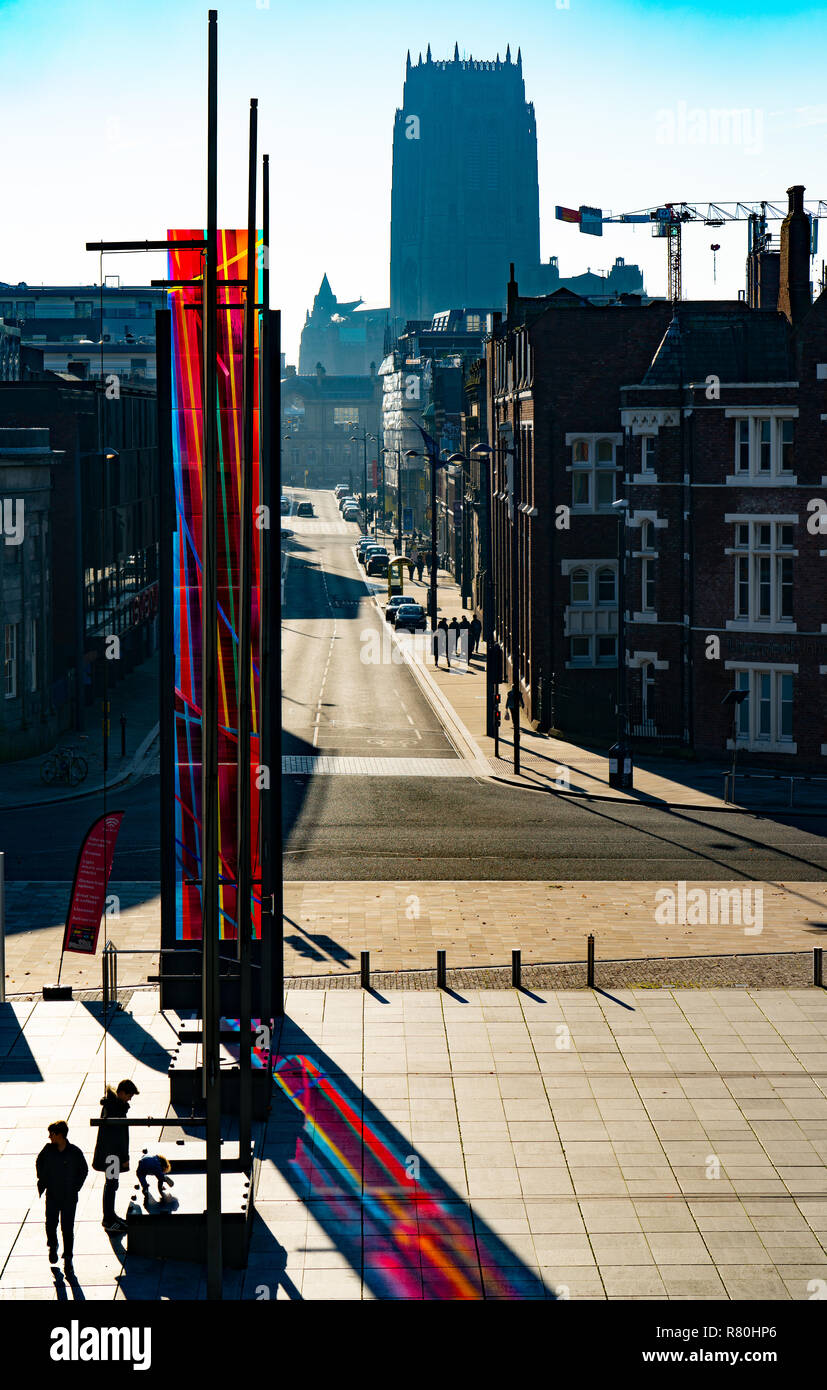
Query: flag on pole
{"type": "Point", "coordinates": [567, 214]}
{"type": "Point", "coordinates": [89, 888]}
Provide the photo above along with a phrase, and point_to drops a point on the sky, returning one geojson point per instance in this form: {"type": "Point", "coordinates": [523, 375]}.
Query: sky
{"type": "Point", "coordinates": [104, 119]}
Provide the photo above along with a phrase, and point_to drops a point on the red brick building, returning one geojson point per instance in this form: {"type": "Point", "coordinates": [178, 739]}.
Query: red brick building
{"type": "Point", "coordinates": [710, 420]}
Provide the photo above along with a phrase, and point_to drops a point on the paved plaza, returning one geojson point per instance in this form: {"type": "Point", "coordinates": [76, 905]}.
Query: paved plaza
{"type": "Point", "coordinates": [403, 925]}
{"type": "Point", "coordinates": [651, 1144]}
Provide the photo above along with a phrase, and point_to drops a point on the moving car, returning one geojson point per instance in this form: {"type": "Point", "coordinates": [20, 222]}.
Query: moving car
{"type": "Point", "coordinates": [285, 506]}
{"type": "Point", "coordinates": [378, 563]}
{"type": "Point", "coordinates": [410, 617]}
{"type": "Point", "coordinates": [305, 509]}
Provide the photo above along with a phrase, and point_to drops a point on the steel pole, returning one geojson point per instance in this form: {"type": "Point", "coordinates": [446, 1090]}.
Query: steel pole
{"type": "Point", "coordinates": [432, 590]}
{"type": "Point", "coordinates": [244, 925]}
{"type": "Point", "coordinates": [515, 601]}
{"type": "Point", "coordinates": [2, 928]}
{"type": "Point", "coordinates": [211, 996]}
{"type": "Point", "coordinates": [267, 500]}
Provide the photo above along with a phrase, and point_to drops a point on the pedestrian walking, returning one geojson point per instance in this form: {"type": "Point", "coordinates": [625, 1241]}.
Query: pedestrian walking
{"type": "Point", "coordinates": [420, 567]}
{"type": "Point", "coordinates": [476, 631]}
{"type": "Point", "coordinates": [154, 1166]}
{"type": "Point", "coordinates": [442, 630]}
{"type": "Point", "coordinates": [61, 1172]}
{"type": "Point", "coordinates": [111, 1154]}
{"type": "Point", "coordinates": [464, 638]}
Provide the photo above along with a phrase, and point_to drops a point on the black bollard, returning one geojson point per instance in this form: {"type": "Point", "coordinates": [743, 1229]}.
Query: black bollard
{"type": "Point", "coordinates": [590, 962]}
{"type": "Point", "coordinates": [516, 969]}
{"type": "Point", "coordinates": [441, 976]}
{"type": "Point", "coordinates": [365, 958]}
{"type": "Point", "coordinates": [818, 966]}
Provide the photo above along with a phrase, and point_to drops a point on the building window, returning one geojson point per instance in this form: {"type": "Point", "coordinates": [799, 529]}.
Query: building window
{"type": "Point", "coordinates": [10, 661]}
{"type": "Point", "coordinates": [346, 415]}
{"type": "Point", "coordinates": [83, 309]}
{"type": "Point", "coordinates": [580, 586]}
{"type": "Point", "coordinates": [763, 572]}
{"type": "Point", "coordinates": [648, 585]}
{"type": "Point", "coordinates": [764, 447]}
{"type": "Point", "coordinates": [766, 716]}
{"type": "Point", "coordinates": [605, 586]}
{"type": "Point", "coordinates": [593, 474]}
{"type": "Point", "coordinates": [591, 615]}
{"type": "Point", "coordinates": [33, 654]}
{"type": "Point", "coordinates": [647, 453]}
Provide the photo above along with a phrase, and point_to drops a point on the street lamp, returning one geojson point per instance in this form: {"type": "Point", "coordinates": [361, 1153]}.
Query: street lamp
{"type": "Point", "coordinates": [430, 455]}
{"type": "Point", "coordinates": [735, 698]}
{"type": "Point", "coordinates": [398, 495]}
{"type": "Point", "coordinates": [354, 439]}
{"type": "Point", "coordinates": [620, 756]}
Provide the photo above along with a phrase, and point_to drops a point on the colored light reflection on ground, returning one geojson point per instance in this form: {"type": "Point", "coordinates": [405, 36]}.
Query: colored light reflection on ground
{"type": "Point", "coordinates": [418, 1238]}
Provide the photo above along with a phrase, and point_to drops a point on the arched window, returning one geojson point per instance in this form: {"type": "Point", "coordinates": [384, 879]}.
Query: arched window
{"type": "Point", "coordinates": [605, 586]}
{"type": "Point", "coordinates": [579, 586]}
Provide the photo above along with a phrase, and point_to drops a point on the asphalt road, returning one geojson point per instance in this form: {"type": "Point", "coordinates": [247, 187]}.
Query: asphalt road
{"type": "Point", "coordinates": [362, 827]}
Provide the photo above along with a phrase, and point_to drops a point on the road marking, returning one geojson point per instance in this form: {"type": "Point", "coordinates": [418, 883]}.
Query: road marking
{"type": "Point", "coordinates": [330, 765]}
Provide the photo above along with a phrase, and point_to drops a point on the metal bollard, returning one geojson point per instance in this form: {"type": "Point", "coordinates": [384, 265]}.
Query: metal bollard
{"type": "Point", "coordinates": [516, 969]}
{"type": "Point", "coordinates": [365, 966]}
{"type": "Point", "coordinates": [590, 962]}
{"type": "Point", "coordinates": [818, 966]}
{"type": "Point", "coordinates": [105, 978]}
{"type": "Point", "coordinates": [441, 975]}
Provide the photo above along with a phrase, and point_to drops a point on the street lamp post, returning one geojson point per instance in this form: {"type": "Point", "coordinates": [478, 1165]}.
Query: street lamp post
{"type": "Point", "coordinates": [430, 455]}
{"type": "Point", "coordinates": [620, 756]}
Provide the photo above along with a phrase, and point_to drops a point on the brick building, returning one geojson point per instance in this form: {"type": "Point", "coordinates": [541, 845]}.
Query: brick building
{"type": "Point", "coordinates": [709, 420]}
{"type": "Point", "coordinates": [104, 547]}
{"type": "Point", "coordinates": [555, 368]}
{"type": "Point", "coordinates": [320, 414]}
{"type": "Point", "coordinates": [727, 582]}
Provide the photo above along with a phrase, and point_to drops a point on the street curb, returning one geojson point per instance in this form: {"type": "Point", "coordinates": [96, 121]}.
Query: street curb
{"type": "Point", "coordinates": [99, 787]}
{"type": "Point", "coordinates": [665, 805]}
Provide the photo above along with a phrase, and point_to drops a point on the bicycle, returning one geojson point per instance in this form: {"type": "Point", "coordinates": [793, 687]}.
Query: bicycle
{"type": "Point", "coordinates": [64, 765]}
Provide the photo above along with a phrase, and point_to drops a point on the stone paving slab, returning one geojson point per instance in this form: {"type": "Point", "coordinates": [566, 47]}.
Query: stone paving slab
{"type": "Point", "coordinates": [516, 1146]}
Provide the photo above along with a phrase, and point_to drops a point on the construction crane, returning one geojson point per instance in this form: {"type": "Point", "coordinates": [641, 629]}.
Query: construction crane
{"type": "Point", "coordinates": [668, 219]}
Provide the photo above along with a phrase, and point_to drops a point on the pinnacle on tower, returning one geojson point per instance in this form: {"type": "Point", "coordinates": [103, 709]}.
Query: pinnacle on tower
{"type": "Point", "coordinates": [408, 62]}
{"type": "Point", "coordinates": [508, 54]}
{"type": "Point", "coordinates": [520, 59]}
{"type": "Point", "coordinates": [428, 54]}
{"type": "Point", "coordinates": [456, 52]}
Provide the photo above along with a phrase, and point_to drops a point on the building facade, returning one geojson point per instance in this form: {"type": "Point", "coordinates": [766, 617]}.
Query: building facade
{"type": "Point", "coordinates": [104, 552]}
{"type": "Point", "coordinates": [344, 338]}
{"type": "Point", "coordinates": [72, 324]}
{"type": "Point", "coordinates": [29, 718]}
{"type": "Point", "coordinates": [326, 423]}
{"type": "Point", "coordinates": [707, 420]}
{"type": "Point", "coordinates": [465, 197]}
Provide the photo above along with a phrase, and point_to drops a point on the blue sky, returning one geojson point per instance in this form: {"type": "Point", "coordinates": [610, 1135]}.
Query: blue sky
{"type": "Point", "coordinates": [103, 108]}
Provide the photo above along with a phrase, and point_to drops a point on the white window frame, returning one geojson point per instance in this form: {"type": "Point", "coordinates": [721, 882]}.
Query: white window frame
{"type": "Point", "coordinates": [756, 420]}
{"type": "Point", "coordinates": [593, 470]}
{"type": "Point", "coordinates": [586, 620]}
{"type": "Point", "coordinates": [750, 675]}
{"type": "Point", "coordinates": [748, 562]}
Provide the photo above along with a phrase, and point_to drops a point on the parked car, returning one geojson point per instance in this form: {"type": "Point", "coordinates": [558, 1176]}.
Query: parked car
{"type": "Point", "coordinates": [371, 550]}
{"type": "Point", "coordinates": [362, 545]}
{"type": "Point", "coordinates": [378, 563]}
{"type": "Point", "coordinates": [341, 490]}
{"type": "Point", "coordinates": [351, 514]}
{"type": "Point", "coordinates": [285, 506]}
{"type": "Point", "coordinates": [348, 501]}
{"type": "Point", "coordinates": [393, 605]}
{"type": "Point", "coordinates": [305, 509]}
{"type": "Point", "coordinates": [410, 617]}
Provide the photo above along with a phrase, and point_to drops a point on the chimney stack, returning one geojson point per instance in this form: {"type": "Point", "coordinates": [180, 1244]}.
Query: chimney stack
{"type": "Point", "coordinates": [794, 291]}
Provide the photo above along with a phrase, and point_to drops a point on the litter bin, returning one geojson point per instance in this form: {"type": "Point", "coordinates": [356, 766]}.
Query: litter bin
{"type": "Point", "coordinates": [620, 766]}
